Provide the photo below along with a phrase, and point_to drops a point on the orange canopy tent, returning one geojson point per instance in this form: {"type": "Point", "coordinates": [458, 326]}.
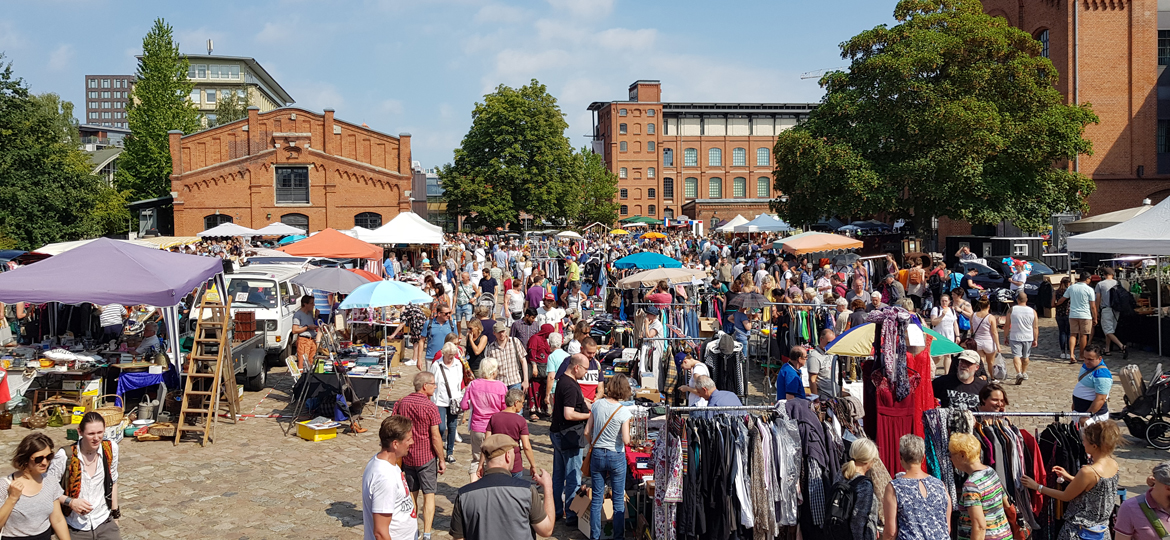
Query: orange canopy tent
{"type": "Point", "coordinates": [368, 275]}
{"type": "Point", "coordinates": [333, 244]}
{"type": "Point", "coordinates": [813, 242]}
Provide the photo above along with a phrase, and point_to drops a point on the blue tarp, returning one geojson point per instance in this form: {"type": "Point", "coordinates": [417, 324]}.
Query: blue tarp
{"type": "Point", "coordinates": [647, 260]}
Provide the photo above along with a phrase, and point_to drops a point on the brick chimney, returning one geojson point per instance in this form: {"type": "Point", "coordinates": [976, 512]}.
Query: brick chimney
{"type": "Point", "coordinates": [328, 132]}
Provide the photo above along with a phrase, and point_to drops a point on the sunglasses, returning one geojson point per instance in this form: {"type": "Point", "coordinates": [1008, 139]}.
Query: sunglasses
{"type": "Point", "coordinates": [41, 459]}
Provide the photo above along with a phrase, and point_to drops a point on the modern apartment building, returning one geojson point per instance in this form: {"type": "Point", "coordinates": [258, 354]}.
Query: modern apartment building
{"type": "Point", "coordinates": [702, 160]}
{"type": "Point", "coordinates": [105, 100]}
{"type": "Point", "coordinates": [220, 77]}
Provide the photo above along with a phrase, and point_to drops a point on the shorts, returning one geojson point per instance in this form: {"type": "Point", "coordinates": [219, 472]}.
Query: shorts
{"type": "Point", "coordinates": [985, 346]}
{"type": "Point", "coordinates": [1021, 349]}
{"type": "Point", "coordinates": [1108, 321]}
{"type": "Point", "coordinates": [463, 312]}
{"type": "Point", "coordinates": [425, 478]}
{"type": "Point", "coordinates": [1080, 326]}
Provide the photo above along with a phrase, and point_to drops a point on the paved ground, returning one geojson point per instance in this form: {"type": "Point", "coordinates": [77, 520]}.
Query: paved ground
{"type": "Point", "coordinates": [256, 483]}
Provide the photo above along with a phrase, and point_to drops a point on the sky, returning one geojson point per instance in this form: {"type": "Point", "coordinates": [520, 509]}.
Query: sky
{"type": "Point", "coordinates": [420, 66]}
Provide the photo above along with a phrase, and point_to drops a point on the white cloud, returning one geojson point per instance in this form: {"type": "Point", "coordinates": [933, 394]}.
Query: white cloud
{"type": "Point", "coordinates": [392, 106]}
{"type": "Point", "coordinates": [584, 8]}
{"type": "Point", "coordinates": [61, 57]}
{"type": "Point", "coordinates": [624, 39]}
{"type": "Point", "coordinates": [10, 37]}
{"type": "Point", "coordinates": [499, 13]}
{"type": "Point", "coordinates": [446, 111]}
{"type": "Point", "coordinates": [562, 31]}
{"type": "Point", "coordinates": [531, 63]}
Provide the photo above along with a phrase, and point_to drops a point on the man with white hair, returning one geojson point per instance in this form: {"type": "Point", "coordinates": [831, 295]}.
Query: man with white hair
{"type": "Point", "coordinates": [705, 389]}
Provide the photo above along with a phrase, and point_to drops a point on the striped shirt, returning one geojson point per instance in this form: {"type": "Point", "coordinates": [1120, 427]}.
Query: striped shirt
{"type": "Point", "coordinates": [422, 414]}
{"type": "Point", "coordinates": [984, 489]}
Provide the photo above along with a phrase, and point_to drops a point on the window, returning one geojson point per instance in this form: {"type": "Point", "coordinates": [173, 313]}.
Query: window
{"type": "Point", "coordinates": [223, 72]}
{"type": "Point", "coordinates": [622, 129]}
{"type": "Point", "coordinates": [105, 95]}
{"type": "Point", "coordinates": [761, 157]}
{"type": "Point", "coordinates": [105, 83]}
{"type": "Point", "coordinates": [715, 188]}
{"type": "Point", "coordinates": [299, 221]}
{"type": "Point", "coordinates": [762, 187]}
{"type": "Point", "coordinates": [117, 83]}
{"type": "Point", "coordinates": [1042, 37]}
{"type": "Point", "coordinates": [625, 210]}
{"type": "Point", "coordinates": [1163, 48]}
{"type": "Point", "coordinates": [667, 188]}
{"type": "Point", "coordinates": [651, 193]}
{"type": "Point", "coordinates": [667, 213]}
{"type": "Point", "coordinates": [690, 157]}
{"type": "Point", "coordinates": [738, 157]}
{"type": "Point", "coordinates": [369, 220]}
{"type": "Point", "coordinates": [93, 95]}
{"type": "Point", "coordinates": [649, 146]}
{"type": "Point", "coordinates": [120, 104]}
{"type": "Point", "coordinates": [651, 210]}
{"type": "Point", "coordinates": [211, 118]}
{"type": "Point", "coordinates": [650, 112]}
{"type": "Point", "coordinates": [714, 157]}
{"type": "Point", "coordinates": [292, 185]}
{"type": "Point", "coordinates": [622, 172]}
{"type": "Point", "coordinates": [105, 104]}
{"type": "Point", "coordinates": [621, 112]}
{"type": "Point", "coordinates": [210, 97]}
{"type": "Point", "coordinates": [624, 193]}
{"type": "Point", "coordinates": [650, 172]}
{"type": "Point", "coordinates": [215, 220]}
{"type": "Point", "coordinates": [1019, 250]}
{"type": "Point", "coordinates": [93, 83]}
{"type": "Point", "coordinates": [739, 187]}
{"type": "Point", "coordinates": [667, 157]}
{"type": "Point", "coordinates": [650, 128]}
{"type": "Point", "coordinates": [197, 71]}
{"type": "Point", "coordinates": [195, 96]}
{"type": "Point", "coordinates": [1163, 136]}
{"type": "Point", "coordinates": [105, 116]}
{"type": "Point", "coordinates": [93, 104]}
{"type": "Point", "coordinates": [691, 188]}
{"type": "Point", "coordinates": [93, 116]}
{"type": "Point", "coordinates": [623, 146]}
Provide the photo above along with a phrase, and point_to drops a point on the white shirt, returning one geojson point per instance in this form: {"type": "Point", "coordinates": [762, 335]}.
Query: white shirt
{"type": "Point", "coordinates": [515, 300]}
{"type": "Point", "coordinates": [93, 488]}
{"type": "Point", "coordinates": [454, 372]}
{"type": "Point", "coordinates": [147, 343]}
{"type": "Point", "coordinates": [384, 491]}
{"type": "Point", "coordinates": [1023, 317]}
{"type": "Point", "coordinates": [553, 316]}
{"type": "Point", "coordinates": [946, 326]}
{"type": "Point", "coordinates": [693, 400]}
{"type": "Point", "coordinates": [573, 347]}
{"type": "Point", "coordinates": [1021, 276]}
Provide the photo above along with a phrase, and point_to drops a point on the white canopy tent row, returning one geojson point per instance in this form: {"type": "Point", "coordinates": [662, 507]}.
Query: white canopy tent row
{"type": "Point", "coordinates": [227, 229]}
{"type": "Point", "coordinates": [1148, 233]}
{"type": "Point", "coordinates": [735, 221]}
{"type": "Point", "coordinates": [762, 223]}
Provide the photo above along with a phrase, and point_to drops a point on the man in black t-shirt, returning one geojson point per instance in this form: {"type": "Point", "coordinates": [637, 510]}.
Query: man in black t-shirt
{"type": "Point", "coordinates": [960, 390]}
{"type": "Point", "coordinates": [570, 412]}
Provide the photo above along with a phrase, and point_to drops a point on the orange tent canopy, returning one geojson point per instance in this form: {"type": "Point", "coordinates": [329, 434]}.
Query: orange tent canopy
{"type": "Point", "coordinates": [333, 244]}
{"type": "Point", "coordinates": [812, 242]}
{"type": "Point", "coordinates": [363, 273]}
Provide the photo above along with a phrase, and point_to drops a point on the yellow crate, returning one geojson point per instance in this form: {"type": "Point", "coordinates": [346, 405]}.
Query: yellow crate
{"type": "Point", "coordinates": [78, 412]}
{"type": "Point", "coordinates": [311, 434]}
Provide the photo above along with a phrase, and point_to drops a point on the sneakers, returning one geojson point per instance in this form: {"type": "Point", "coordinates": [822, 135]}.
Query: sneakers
{"type": "Point", "coordinates": [1064, 356]}
{"type": "Point", "coordinates": [409, 363]}
{"type": "Point", "coordinates": [451, 458]}
{"type": "Point", "coordinates": [1025, 374]}
{"type": "Point", "coordinates": [458, 438]}
{"type": "Point", "coordinates": [1019, 379]}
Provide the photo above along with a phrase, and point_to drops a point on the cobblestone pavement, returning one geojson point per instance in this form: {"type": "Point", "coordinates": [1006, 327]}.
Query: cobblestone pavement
{"type": "Point", "coordinates": [256, 483]}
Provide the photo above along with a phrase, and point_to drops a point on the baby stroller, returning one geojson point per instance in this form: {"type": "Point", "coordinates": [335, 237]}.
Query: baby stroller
{"type": "Point", "coordinates": [486, 301]}
{"type": "Point", "coordinates": [1146, 406]}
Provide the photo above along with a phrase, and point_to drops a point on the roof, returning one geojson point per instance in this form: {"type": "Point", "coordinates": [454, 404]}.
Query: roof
{"type": "Point", "coordinates": [733, 108]}
{"type": "Point", "coordinates": [101, 158]}
{"type": "Point", "coordinates": [150, 203]}
{"type": "Point", "coordinates": [730, 201]}
{"type": "Point", "coordinates": [279, 272]}
{"type": "Point", "coordinates": [95, 127]}
{"type": "Point", "coordinates": [252, 65]}
{"type": "Point", "coordinates": [244, 120]}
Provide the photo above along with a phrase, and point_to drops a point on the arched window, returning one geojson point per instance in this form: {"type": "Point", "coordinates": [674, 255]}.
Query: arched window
{"type": "Point", "coordinates": [691, 188]}
{"type": "Point", "coordinates": [650, 172]}
{"type": "Point", "coordinates": [650, 211]}
{"type": "Point", "coordinates": [1042, 37]}
{"type": "Point", "coordinates": [738, 157]}
{"type": "Point", "coordinates": [650, 128]}
{"type": "Point", "coordinates": [215, 219]}
{"type": "Point", "coordinates": [715, 188]}
{"type": "Point", "coordinates": [667, 213]}
{"type": "Point", "coordinates": [296, 220]}
{"type": "Point", "coordinates": [762, 187]}
{"type": "Point", "coordinates": [761, 157]}
{"type": "Point", "coordinates": [667, 157]}
{"type": "Point", "coordinates": [368, 220]}
{"type": "Point", "coordinates": [739, 187]}
{"type": "Point", "coordinates": [690, 157]}
{"type": "Point", "coordinates": [667, 188]}
{"type": "Point", "coordinates": [625, 210]}
{"type": "Point", "coordinates": [651, 192]}
{"type": "Point", "coordinates": [714, 157]}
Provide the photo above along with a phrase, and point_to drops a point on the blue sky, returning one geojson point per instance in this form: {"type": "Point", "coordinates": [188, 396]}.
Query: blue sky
{"type": "Point", "coordinates": [419, 66]}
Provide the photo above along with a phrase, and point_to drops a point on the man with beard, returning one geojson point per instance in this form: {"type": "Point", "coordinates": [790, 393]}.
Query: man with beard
{"type": "Point", "coordinates": [960, 390]}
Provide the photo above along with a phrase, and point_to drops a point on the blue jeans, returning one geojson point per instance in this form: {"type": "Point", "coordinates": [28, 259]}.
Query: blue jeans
{"type": "Point", "coordinates": [742, 338]}
{"type": "Point", "coordinates": [1064, 331]}
{"type": "Point", "coordinates": [448, 427]}
{"type": "Point", "coordinates": [463, 312]}
{"type": "Point", "coordinates": [566, 475]}
{"type": "Point", "coordinates": [608, 465]}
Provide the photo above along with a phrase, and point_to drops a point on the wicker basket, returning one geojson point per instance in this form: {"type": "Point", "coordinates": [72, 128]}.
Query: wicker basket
{"type": "Point", "coordinates": [37, 420]}
{"type": "Point", "coordinates": [111, 413]}
{"type": "Point", "coordinates": [162, 429]}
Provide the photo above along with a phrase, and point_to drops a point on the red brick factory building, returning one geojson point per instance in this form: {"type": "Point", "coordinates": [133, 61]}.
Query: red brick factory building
{"type": "Point", "coordinates": [300, 167]}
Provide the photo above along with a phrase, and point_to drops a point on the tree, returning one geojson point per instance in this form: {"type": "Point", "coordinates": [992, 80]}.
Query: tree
{"type": "Point", "coordinates": [515, 158]}
{"type": "Point", "coordinates": [46, 189]}
{"type": "Point", "coordinates": [950, 113]}
{"type": "Point", "coordinates": [597, 189]}
{"type": "Point", "coordinates": [160, 103]}
{"type": "Point", "coordinates": [230, 108]}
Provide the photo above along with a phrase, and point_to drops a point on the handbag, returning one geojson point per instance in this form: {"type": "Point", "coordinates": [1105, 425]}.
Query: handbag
{"type": "Point", "coordinates": [970, 343]}
{"type": "Point", "coordinates": [1020, 531]}
{"type": "Point", "coordinates": [453, 408]}
{"type": "Point", "coordinates": [589, 453]}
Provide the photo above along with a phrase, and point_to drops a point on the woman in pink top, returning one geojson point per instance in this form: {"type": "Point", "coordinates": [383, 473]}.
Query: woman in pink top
{"type": "Point", "coordinates": [485, 397]}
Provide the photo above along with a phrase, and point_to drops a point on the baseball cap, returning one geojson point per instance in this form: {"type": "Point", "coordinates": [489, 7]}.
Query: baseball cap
{"type": "Point", "coordinates": [652, 310]}
{"type": "Point", "coordinates": [501, 325]}
{"type": "Point", "coordinates": [970, 357]}
{"type": "Point", "coordinates": [1162, 473]}
{"type": "Point", "coordinates": [495, 445]}
{"type": "Point", "coordinates": [549, 296]}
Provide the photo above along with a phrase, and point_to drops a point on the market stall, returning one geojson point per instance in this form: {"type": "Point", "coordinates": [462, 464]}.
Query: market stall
{"type": "Point", "coordinates": [226, 230]}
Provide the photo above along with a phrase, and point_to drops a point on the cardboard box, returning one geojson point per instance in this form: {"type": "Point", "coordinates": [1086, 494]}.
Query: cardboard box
{"type": "Point", "coordinates": [87, 388]}
{"type": "Point", "coordinates": [581, 505]}
{"type": "Point", "coordinates": [650, 394]}
{"type": "Point", "coordinates": [707, 326]}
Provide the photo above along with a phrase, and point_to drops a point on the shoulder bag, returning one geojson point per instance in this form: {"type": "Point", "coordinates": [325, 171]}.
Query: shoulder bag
{"type": "Point", "coordinates": [453, 408]}
{"type": "Point", "coordinates": [589, 453]}
{"type": "Point", "coordinates": [970, 342]}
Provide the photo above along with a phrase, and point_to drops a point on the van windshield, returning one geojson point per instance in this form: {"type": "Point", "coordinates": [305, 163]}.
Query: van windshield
{"type": "Point", "coordinates": [252, 292]}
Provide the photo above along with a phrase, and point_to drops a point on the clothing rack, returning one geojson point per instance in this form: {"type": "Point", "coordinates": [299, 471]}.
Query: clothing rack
{"type": "Point", "coordinates": [670, 305]}
{"type": "Point", "coordinates": [793, 304]}
{"type": "Point", "coordinates": [1052, 414]}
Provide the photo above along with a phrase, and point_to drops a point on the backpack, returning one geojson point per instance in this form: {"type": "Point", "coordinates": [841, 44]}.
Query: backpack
{"type": "Point", "coordinates": [914, 276]}
{"type": "Point", "coordinates": [839, 510]}
{"type": "Point", "coordinates": [1121, 300]}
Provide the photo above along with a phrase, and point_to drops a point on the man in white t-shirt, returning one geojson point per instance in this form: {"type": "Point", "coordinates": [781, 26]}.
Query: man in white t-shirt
{"type": "Point", "coordinates": [1104, 290]}
{"type": "Point", "coordinates": [694, 369]}
{"type": "Point", "coordinates": [388, 511]}
{"type": "Point", "coordinates": [1022, 333]}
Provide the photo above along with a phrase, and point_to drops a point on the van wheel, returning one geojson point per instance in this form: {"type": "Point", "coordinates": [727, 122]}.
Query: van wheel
{"type": "Point", "coordinates": [257, 382]}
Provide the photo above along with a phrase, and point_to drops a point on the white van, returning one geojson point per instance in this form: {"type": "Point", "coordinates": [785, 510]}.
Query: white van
{"type": "Point", "coordinates": [266, 290]}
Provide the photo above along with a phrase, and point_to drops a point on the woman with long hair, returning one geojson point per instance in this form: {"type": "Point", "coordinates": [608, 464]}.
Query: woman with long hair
{"type": "Point", "coordinates": [608, 430]}
{"type": "Point", "coordinates": [32, 509]}
{"type": "Point", "coordinates": [986, 332]}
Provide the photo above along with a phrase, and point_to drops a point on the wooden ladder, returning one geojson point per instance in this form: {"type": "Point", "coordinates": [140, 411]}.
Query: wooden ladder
{"type": "Point", "coordinates": [210, 364]}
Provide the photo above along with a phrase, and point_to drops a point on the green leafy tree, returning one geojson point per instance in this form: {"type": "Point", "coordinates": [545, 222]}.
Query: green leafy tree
{"type": "Point", "coordinates": [160, 103]}
{"type": "Point", "coordinates": [515, 158]}
{"type": "Point", "coordinates": [950, 113]}
{"type": "Point", "coordinates": [46, 189]}
{"type": "Point", "coordinates": [231, 108]}
{"type": "Point", "coordinates": [597, 189]}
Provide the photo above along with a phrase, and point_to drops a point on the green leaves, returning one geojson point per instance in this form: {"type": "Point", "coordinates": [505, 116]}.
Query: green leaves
{"type": "Point", "coordinates": [951, 113]}
{"type": "Point", "coordinates": [516, 158]}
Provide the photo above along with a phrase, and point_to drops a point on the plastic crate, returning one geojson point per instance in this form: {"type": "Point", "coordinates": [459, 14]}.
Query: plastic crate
{"type": "Point", "coordinates": [315, 434]}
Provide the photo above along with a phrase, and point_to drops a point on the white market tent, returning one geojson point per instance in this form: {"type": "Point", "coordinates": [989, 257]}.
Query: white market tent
{"type": "Point", "coordinates": [61, 247]}
{"type": "Point", "coordinates": [1108, 219]}
{"type": "Point", "coordinates": [762, 223]}
{"type": "Point", "coordinates": [406, 228]}
{"type": "Point", "coordinates": [279, 229]}
{"type": "Point", "coordinates": [227, 229]}
{"type": "Point", "coordinates": [727, 227]}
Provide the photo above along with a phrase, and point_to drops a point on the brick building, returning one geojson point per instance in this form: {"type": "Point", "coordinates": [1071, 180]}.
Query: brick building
{"type": "Point", "coordinates": [714, 158]}
{"type": "Point", "coordinates": [1111, 54]}
{"type": "Point", "coordinates": [300, 167]}
{"type": "Point", "coordinates": [105, 100]}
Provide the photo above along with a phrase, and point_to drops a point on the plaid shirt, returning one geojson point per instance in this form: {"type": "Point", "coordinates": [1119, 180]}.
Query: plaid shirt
{"type": "Point", "coordinates": [509, 355]}
{"type": "Point", "coordinates": [525, 331]}
{"type": "Point", "coordinates": [422, 414]}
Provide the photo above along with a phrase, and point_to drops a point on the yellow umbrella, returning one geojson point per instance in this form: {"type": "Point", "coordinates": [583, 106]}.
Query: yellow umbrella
{"type": "Point", "coordinates": [654, 235]}
{"type": "Point", "coordinates": [619, 231]}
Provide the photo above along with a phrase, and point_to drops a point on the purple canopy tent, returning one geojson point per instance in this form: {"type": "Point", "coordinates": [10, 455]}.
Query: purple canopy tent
{"type": "Point", "coordinates": [109, 271]}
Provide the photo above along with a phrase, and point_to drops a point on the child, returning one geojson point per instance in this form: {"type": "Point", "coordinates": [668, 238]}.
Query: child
{"type": "Point", "coordinates": [511, 422]}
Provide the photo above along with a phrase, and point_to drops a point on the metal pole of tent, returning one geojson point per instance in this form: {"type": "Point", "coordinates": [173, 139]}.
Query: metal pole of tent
{"type": "Point", "coordinates": [1158, 293]}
